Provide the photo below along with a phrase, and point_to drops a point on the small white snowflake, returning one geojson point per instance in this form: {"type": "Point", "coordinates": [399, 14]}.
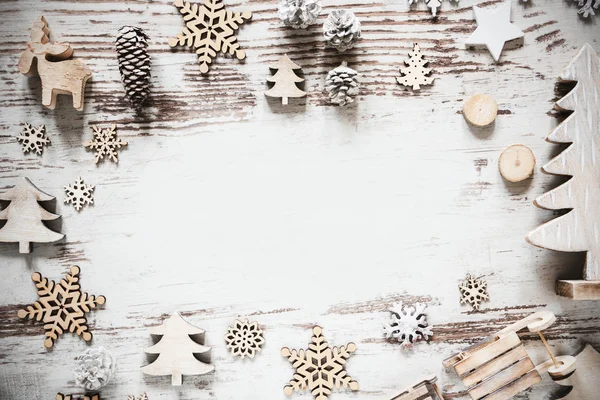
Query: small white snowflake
{"type": "Point", "coordinates": [33, 138]}
{"type": "Point", "coordinates": [473, 291]}
{"type": "Point", "coordinates": [587, 7]}
{"type": "Point", "coordinates": [408, 324]}
{"type": "Point", "coordinates": [79, 194]}
{"type": "Point", "coordinates": [106, 143]}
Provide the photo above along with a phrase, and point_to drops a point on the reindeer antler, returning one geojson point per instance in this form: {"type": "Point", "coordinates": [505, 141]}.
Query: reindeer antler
{"type": "Point", "coordinates": [40, 31]}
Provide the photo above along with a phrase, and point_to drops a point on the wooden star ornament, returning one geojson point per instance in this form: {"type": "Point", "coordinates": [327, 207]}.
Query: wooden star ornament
{"type": "Point", "coordinates": [494, 29]}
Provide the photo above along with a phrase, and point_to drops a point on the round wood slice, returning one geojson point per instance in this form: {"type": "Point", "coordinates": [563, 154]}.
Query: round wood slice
{"type": "Point", "coordinates": [516, 163]}
{"type": "Point", "coordinates": [480, 110]}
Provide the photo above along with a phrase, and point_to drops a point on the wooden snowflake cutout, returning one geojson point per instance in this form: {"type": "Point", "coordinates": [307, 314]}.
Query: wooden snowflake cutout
{"type": "Point", "coordinates": [106, 143]}
{"type": "Point", "coordinates": [79, 194]}
{"type": "Point", "coordinates": [144, 396]}
{"type": "Point", "coordinates": [473, 291]}
{"type": "Point", "coordinates": [33, 138]}
{"type": "Point", "coordinates": [244, 338]}
{"type": "Point", "coordinates": [320, 368]}
{"type": "Point", "coordinates": [62, 307]}
{"type": "Point", "coordinates": [415, 73]}
{"type": "Point", "coordinates": [408, 324]}
{"type": "Point", "coordinates": [209, 28]}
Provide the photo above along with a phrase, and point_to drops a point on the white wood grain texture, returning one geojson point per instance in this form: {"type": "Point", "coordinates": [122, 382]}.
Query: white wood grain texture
{"type": "Point", "coordinates": [225, 204]}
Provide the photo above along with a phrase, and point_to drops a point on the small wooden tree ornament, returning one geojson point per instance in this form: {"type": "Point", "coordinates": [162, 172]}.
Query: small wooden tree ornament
{"type": "Point", "coordinates": [285, 80]}
{"type": "Point", "coordinates": [180, 341]}
{"type": "Point", "coordinates": [58, 73]}
{"type": "Point", "coordinates": [480, 110]}
{"type": "Point", "coordinates": [425, 389]}
{"type": "Point", "coordinates": [61, 306]}
{"type": "Point", "coordinates": [579, 229]}
{"type": "Point", "coordinates": [415, 74]}
{"type": "Point", "coordinates": [500, 367]}
{"type": "Point", "coordinates": [24, 217]}
{"type": "Point", "coordinates": [516, 163]}
{"type": "Point", "coordinates": [581, 373]}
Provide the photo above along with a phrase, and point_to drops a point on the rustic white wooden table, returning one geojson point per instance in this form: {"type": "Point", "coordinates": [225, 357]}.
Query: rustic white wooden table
{"type": "Point", "coordinates": [225, 204]}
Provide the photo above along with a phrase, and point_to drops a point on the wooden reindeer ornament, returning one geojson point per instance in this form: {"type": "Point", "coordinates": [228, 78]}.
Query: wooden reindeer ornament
{"type": "Point", "coordinates": [58, 73]}
{"type": "Point", "coordinates": [499, 367]}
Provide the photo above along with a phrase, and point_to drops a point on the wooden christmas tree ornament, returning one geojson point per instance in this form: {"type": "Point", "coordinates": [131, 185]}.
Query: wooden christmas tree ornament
{"type": "Point", "coordinates": [581, 373]}
{"type": "Point", "coordinates": [209, 29]}
{"type": "Point", "coordinates": [24, 217]}
{"type": "Point", "coordinates": [499, 367]}
{"type": "Point", "coordinates": [426, 389]}
{"type": "Point", "coordinates": [320, 368]}
{"type": "Point", "coordinates": [516, 163]}
{"type": "Point", "coordinates": [480, 110]}
{"type": "Point", "coordinates": [494, 29]}
{"type": "Point", "coordinates": [285, 80]}
{"type": "Point", "coordinates": [51, 61]}
{"type": "Point", "coordinates": [415, 73]}
{"type": "Point", "coordinates": [579, 229]}
{"type": "Point", "coordinates": [61, 306]}
{"type": "Point", "coordinates": [180, 341]}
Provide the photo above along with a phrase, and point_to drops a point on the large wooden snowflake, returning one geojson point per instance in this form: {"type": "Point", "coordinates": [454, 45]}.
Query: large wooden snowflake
{"type": "Point", "coordinates": [209, 28]}
{"type": "Point", "coordinates": [61, 306]}
{"type": "Point", "coordinates": [320, 368]}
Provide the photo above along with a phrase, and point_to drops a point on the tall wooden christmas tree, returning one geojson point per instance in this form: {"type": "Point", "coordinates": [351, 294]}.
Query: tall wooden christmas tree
{"type": "Point", "coordinates": [285, 80]}
{"type": "Point", "coordinates": [578, 229]}
{"type": "Point", "coordinates": [176, 350]}
{"type": "Point", "coordinates": [24, 217]}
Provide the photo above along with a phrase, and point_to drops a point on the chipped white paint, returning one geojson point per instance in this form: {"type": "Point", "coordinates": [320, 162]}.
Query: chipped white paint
{"type": "Point", "coordinates": [225, 204]}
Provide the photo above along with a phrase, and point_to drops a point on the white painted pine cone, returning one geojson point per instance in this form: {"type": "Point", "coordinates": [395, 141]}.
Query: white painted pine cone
{"type": "Point", "coordinates": [299, 14]}
{"type": "Point", "coordinates": [342, 84]}
{"type": "Point", "coordinates": [341, 29]}
{"type": "Point", "coordinates": [94, 368]}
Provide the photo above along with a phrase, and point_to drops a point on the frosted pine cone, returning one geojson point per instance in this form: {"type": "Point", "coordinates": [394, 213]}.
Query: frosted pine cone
{"type": "Point", "coordinates": [342, 84]}
{"type": "Point", "coordinates": [134, 63]}
{"type": "Point", "coordinates": [341, 29]}
{"type": "Point", "coordinates": [94, 368]}
{"type": "Point", "coordinates": [299, 13]}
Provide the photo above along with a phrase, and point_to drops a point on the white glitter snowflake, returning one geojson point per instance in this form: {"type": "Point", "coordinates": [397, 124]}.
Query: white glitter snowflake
{"type": "Point", "coordinates": [106, 143]}
{"type": "Point", "coordinates": [408, 324]}
{"type": "Point", "coordinates": [244, 338]}
{"type": "Point", "coordinates": [33, 138]}
{"type": "Point", "coordinates": [79, 194]}
{"type": "Point", "coordinates": [473, 291]}
{"type": "Point", "coordinates": [587, 7]}
{"type": "Point", "coordinates": [432, 4]}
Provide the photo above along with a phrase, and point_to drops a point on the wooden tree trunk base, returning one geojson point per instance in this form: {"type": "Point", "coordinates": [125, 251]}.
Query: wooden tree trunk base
{"type": "Point", "coordinates": [579, 290]}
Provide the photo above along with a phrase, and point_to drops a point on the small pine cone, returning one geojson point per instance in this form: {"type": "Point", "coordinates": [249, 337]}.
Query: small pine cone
{"type": "Point", "coordinates": [299, 13]}
{"type": "Point", "coordinates": [134, 63]}
{"type": "Point", "coordinates": [94, 368]}
{"type": "Point", "coordinates": [342, 84]}
{"type": "Point", "coordinates": [341, 29]}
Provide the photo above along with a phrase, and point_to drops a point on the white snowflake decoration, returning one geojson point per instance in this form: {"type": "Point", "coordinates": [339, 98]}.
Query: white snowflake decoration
{"type": "Point", "coordinates": [433, 4]}
{"type": "Point", "coordinates": [144, 396]}
{"type": "Point", "coordinates": [244, 339]}
{"type": "Point", "coordinates": [106, 143]}
{"type": "Point", "coordinates": [79, 194]}
{"type": "Point", "coordinates": [587, 7]}
{"type": "Point", "coordinates": [473, 291]}
{"type": "Point", "coordinates": [33, 138]}
{"type": "Point", "coordinates": [408, 324]}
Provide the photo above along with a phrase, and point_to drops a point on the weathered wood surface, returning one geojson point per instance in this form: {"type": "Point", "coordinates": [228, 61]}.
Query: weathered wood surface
{"type": "Point", "coordinates": [228, 204]}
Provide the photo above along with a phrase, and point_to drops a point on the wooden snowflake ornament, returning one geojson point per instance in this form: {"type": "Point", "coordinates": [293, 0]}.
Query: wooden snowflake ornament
{"type": "Point", "coordinates": [79, 194]}
{"type": "Point", "coordinates": [25, 217]}
{"type": "Point", "coordinates": [62, 306]}
{"type": "Point", "coordinates": [473, 291]}
{"type": "Point", "coordinates": [180, 341]}
{"type": "Point", "coordinates": [244, 339]}
{"type": "Point", "coordinates": [209, 29]}
{"type": "Point", "coordinates": [408, 324]}
{"type": "Point", "coordinates": [320, 368]}
{"type": "Point", "coordinates": [106, 143]}
{"type": "Point", "coordinates": [578, 229]}
{"type": "Point", "coordinates": [33, 138]}
{"type": "Point", "coordinates": [494, 29]}
{"type": "Point", "coordinates": [415, 74]}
